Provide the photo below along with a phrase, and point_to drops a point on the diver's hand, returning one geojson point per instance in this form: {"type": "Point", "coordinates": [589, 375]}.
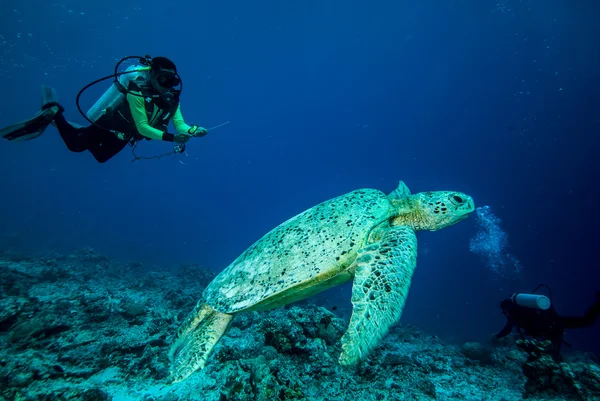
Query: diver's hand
{"type": "Point", "coordinates": [198, 131]}
{"type": "Point", "coordinates": [181, 138]}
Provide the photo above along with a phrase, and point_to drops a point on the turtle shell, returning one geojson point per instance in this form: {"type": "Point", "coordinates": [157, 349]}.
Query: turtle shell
{"type": "Point", "coordinates": [304, 255]}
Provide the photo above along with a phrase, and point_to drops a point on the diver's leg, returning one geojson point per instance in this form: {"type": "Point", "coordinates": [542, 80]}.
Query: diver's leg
{"type": "Point", "coordinates": [574, 322]}
{"type": "Point", "coordinates": [105, 145]}
{"type": "Point", "coordinates": [556, 336]}
{"type": "Point", "coordinates": [76, 139]}
{"type": "Point", "coordinates": [594, 311]}
{"type": "Point", "coordinates": [589, 317]}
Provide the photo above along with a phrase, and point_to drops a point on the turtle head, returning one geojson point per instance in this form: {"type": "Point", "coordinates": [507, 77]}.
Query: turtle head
{"type": "Point", "coordinates": [430, 210]}
{"type": "Point", "coordinates": [441, 209]}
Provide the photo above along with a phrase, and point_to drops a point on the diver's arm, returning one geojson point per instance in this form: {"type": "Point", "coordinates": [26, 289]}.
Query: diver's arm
{"type": "Point", "coordinates": [179, 123]}
{"type": "Point", "coordinates": [138, 112]}
{"type": "Point", "coordinates": [506, 330]}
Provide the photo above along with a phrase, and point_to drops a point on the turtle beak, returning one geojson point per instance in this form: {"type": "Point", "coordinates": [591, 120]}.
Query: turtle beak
{"type": "Point", "coordinates": [470, 206]}
{"type": "Point", "coordinates": [465, 208]}
{"type": "Point", "coordinates": [463, 203]}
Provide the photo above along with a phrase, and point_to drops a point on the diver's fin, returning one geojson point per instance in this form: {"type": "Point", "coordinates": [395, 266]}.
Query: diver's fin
{"type": "Point", "coordinates": [35, 126]}
{"type": "Point", "coordinates": [32, 128]}
{"type": "Point", "coordinates": [48, 95]}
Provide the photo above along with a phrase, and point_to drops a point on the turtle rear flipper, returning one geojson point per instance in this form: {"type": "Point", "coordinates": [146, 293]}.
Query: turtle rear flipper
{"type": "Point", "coordinates": [381, 283]}
{"type": "Point", "coordinates": [195, 339]}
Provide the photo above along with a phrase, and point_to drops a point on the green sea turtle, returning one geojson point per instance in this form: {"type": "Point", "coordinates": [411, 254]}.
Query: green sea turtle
{"type": "Point", "coordinates": [363, 235]}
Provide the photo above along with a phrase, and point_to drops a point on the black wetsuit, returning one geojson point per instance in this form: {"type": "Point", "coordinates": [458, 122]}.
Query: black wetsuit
{"type": "Point", "coordinates": [102, 144]}
{"type": "Point", "coordinates": [545, 324]}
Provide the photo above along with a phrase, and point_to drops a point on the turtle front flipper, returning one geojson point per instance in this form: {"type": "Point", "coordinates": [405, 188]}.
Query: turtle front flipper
{"type": "Point", "coordinates": [195, 339]}
{"type": "Point", "coordinates": [381, 283]}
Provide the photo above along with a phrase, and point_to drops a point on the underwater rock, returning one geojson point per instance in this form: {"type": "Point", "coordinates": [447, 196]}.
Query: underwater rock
{"type": "Point", "coordinates": [270, 353]}
{"type": "Point", "coordinates": [10, 310]}
{"type": "Point", "coordinates": [72, 332]}
{"type": "Point", "coordinates": [133, 310]}
{"type": "Point", "coordinates": [32, 330]}
{"type": "Point", "coordinates": [477, 352]}
{"type": "Point", "coordinates": [16, 256]}
{"type": "Point", "coordinates": [13, 281]}
{"type": "Point", "coordinates": [585, 378]}
{"type": "Point", "coordinates": [295, 330]}
{"type": "Point", "coordinates": [91, 256]}
{"type": "Point", "coordinates": [546, 378]}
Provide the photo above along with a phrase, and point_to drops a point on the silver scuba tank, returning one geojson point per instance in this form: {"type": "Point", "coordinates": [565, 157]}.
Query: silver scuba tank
{"type": "Point", "coordinates": [113, 97]}
{"type": "Point", "coordinates": [533, 301]}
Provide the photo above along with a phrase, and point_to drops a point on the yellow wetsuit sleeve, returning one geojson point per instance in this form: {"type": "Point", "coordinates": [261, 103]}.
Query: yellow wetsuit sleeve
{"type": "Point", "coordinates": [179, 122]}
{"type": "Point", "coordinates": [137, 107]}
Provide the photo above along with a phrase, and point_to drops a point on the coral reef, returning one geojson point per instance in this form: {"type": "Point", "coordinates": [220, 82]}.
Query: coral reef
{"type": "Point", "coordinates": [82, 327]}
{"type": "Point", "coordinates": [545, 377]}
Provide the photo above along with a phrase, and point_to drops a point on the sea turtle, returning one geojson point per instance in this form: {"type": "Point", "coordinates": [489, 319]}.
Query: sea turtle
{"type": "Point", "coordinates": [363, 235]}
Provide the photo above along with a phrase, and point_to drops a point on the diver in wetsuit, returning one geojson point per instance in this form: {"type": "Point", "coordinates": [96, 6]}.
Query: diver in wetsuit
{"type": "Point", "coordinates": [138, 106]}
{"type": "Point", "coordinates": [533, 315]}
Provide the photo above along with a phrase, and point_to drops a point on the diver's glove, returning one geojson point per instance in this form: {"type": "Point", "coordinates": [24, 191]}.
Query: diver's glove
{"type": "Point", "coordinates": [181, 138]}
{"type": "Point", "coordinates": [197, 131]}
{"type": "Point", "coordinates": [177, 138]}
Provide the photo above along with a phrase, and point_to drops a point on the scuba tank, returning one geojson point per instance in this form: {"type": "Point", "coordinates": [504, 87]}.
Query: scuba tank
{"type": "Point", "coordinates": [114, 96]}
{"type": "Point", "coordinates": [116, 93]}
{"type": "Point", "coordinates": [533, 301]}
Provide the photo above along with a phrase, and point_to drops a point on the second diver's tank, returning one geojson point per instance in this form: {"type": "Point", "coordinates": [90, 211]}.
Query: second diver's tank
{"type": "Point", "coordinates": [113, 97]}
{"type": "Point", "coordinates": [533, 301]}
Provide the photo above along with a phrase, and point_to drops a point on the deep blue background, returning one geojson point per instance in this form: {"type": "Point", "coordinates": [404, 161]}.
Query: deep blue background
{"type": "Point", "coordinates": [499, 99]}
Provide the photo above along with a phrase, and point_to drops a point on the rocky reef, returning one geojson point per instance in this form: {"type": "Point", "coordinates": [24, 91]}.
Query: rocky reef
{"type": "Point", "coordinates": [83, 327]}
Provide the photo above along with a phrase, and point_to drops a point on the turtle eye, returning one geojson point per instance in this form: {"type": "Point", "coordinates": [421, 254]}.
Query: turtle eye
{"type": "Point", "coordinates": [458, 199]}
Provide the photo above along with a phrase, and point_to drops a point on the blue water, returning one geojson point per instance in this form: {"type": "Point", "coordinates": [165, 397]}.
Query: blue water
{"type": "Point", "coordinates": [498, 99]}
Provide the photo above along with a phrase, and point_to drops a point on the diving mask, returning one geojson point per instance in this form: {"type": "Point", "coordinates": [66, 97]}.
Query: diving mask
{"type": "Point", "coordinates": [167, 79]}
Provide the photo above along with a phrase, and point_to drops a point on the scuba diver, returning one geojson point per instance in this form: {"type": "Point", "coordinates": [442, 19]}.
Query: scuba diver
{"type": "Point", "coordinates": [533, 315]}
{"type": "Point", "coordinates": [139, 105]}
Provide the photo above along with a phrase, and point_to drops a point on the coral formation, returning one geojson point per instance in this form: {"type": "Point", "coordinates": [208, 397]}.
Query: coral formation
{"type": "Point", "coordinates": [82, 327]}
